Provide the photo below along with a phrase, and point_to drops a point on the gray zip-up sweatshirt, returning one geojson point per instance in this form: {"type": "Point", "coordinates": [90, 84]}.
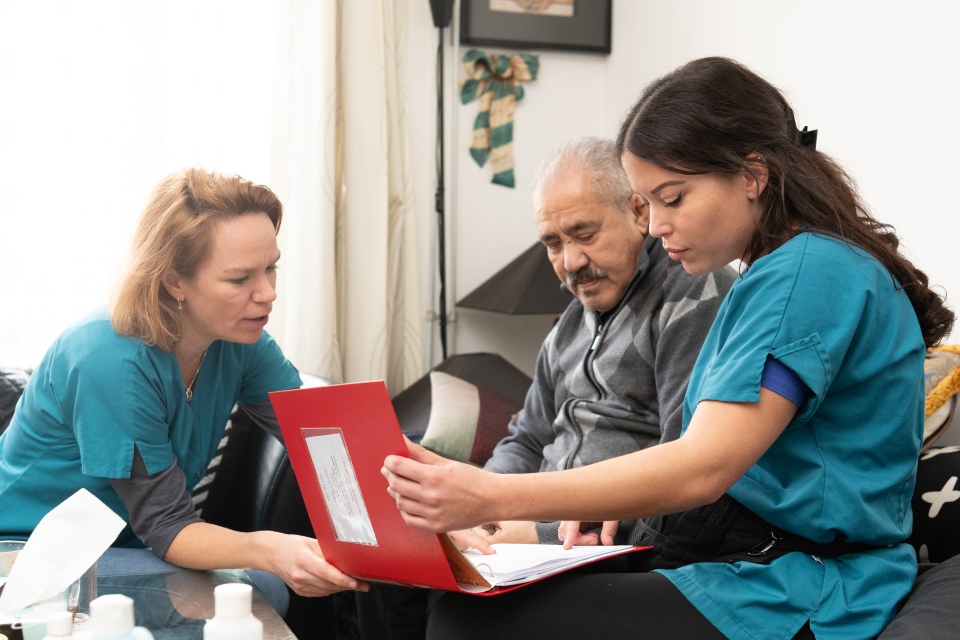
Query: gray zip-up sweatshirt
{"type": "Point", "coordinates": [605, 390]}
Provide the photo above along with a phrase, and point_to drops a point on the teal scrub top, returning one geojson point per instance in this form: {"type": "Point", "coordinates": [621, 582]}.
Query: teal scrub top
{"type": "Point", "coordinates": [97, 394]}
{"type": "Point", "coordinates": [846, 463]}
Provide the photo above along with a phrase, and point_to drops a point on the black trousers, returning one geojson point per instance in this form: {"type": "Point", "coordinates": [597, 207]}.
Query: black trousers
{"type": "Point", "coordinates": [604, 598]}
{"type": "Point", "coordinates": [392, 612]}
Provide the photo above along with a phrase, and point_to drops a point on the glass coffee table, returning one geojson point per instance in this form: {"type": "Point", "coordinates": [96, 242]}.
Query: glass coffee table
{"type": "Point", "coordinates": [176, 604]}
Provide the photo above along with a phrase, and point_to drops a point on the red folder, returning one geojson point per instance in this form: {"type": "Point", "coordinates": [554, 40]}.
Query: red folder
{"type": "Point", "coordinates": [363, 414]}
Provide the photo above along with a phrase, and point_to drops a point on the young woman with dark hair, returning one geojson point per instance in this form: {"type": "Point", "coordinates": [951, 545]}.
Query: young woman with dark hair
{"type": "Point", "coordinates": [789, 492]}
{"type": "Point", "coordinates": [691, 122]}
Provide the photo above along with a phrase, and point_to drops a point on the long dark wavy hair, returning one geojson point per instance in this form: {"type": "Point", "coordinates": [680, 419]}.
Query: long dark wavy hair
{"type": "Point", "coordinates": [709, 115]}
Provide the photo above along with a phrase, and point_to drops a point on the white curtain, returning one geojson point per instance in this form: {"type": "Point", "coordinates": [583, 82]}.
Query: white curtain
{"type": "Point", "coordinates": [349, 302]}
{"type": "Point", "coordinates": [303, 173]}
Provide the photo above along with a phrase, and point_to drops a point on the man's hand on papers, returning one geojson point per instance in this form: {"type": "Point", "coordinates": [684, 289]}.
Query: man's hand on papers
{"type": "Point", "coordinates": [509, 531]}
{"type": "Point", "coordinates": [579, 534]}
{"type": "Point", "coordinates": [469, 539]}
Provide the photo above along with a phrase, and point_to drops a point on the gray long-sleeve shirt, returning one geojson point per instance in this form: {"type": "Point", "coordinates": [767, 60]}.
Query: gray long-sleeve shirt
{"type": "Point", "coordinates": [607, 389]}
{"type": "Point", "coordinates": [159, 506]}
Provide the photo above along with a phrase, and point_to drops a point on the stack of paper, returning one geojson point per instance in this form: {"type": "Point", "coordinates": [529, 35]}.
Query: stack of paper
{"type": "Point", "coordinates": [514, 564]}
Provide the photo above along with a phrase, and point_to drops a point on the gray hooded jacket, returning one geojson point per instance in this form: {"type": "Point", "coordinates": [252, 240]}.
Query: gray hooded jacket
{"type": "Point", "coordinates": [605, 390]}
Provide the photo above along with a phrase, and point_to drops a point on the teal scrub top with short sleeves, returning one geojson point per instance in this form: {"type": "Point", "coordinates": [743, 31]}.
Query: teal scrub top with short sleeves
{"type": "Point", "coordinates": [96, 395]}
{"type": "Point", "coordinates": [846, 463]}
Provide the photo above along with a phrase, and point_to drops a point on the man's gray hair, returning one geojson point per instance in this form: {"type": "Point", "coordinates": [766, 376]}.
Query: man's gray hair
{"type": "Point", "coordinates": [596, 156]}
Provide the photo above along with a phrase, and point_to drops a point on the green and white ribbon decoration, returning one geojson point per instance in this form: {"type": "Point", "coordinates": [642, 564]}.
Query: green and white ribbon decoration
{"type": "Point", "coordinates": [495, 81]}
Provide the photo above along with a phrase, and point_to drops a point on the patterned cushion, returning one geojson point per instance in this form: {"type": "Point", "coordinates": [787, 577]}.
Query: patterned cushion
{"type": "Point", "coordinates": [936, 505]}
{"type": "Point", "coordinates": [466, 421]}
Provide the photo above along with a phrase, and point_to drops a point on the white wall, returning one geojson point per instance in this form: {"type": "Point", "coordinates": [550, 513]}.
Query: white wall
{"type": "Point", "coordinates": [878, 79]}
{"type": "Point", "coordinates": [98, 101]}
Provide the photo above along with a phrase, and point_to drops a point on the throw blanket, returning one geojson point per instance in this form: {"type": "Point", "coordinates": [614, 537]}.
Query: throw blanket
{"type": "Point", "coordinates": [495, 80]}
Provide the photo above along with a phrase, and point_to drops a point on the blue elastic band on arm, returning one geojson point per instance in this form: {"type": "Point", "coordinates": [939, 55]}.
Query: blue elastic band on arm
{"type": "Point", "coordinates": [782, 380]}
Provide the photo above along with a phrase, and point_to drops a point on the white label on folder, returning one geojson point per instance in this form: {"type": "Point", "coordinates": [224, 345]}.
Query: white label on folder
{"type": "Point", "coordinates": [341, 492]}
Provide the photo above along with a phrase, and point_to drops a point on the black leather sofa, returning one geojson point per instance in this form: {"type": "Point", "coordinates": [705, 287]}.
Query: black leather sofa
{"type": "Point", "coordinates": [252, 487]}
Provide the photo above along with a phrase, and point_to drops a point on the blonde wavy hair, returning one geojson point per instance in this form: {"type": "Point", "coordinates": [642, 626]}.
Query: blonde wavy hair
{"type": "Point", "coordinates": [174, 232]}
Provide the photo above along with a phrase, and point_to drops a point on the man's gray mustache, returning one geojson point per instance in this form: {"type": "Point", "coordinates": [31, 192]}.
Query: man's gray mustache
{"type": "Point", "coordinates": [576, 277]}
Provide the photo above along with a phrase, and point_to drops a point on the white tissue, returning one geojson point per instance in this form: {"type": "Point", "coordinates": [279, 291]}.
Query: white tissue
{"type": "Point", "coordinates": [65, 543]}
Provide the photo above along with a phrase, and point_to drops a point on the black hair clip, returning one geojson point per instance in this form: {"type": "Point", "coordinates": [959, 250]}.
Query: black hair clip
{"type": "Point", "coordinates": [803, 138]}
{"type": "Point", "coordinates": [808, 138]}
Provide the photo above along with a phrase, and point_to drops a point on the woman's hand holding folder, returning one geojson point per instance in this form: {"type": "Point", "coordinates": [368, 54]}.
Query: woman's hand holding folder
{"type": "Point", "coordinates": [300, 563]}
{"type": "Point", "coordinates": [438, 494]}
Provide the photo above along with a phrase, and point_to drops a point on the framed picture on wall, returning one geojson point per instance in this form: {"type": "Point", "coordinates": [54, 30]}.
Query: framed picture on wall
{"type": "Point", "coordinates": [568, 25]}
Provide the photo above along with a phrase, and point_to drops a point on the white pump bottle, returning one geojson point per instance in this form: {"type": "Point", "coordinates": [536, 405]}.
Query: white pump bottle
{"type": "Point", "coordinates": [233, 619]}
{"type": "Point", "coordinates": [111, 618]}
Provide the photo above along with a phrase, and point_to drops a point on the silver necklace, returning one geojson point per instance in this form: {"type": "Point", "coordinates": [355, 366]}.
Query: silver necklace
{"type": "Point", "coordinates": [188, 389]}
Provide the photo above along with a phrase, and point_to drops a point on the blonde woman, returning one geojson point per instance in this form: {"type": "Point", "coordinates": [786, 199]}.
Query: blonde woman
{"type": "Point", "coordinates": [131, 401]}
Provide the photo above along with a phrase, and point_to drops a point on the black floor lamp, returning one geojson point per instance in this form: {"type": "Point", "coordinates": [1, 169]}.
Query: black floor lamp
{"type": "Point", "coordinates": [442, 13]}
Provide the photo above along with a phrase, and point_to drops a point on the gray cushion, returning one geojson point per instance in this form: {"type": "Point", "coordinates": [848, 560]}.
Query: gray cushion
{"type": "Point", "coordinates": [932, 612]}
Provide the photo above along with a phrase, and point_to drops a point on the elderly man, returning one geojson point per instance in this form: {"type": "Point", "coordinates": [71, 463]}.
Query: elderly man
{"type": "Point", "coordinates": [611, 375]}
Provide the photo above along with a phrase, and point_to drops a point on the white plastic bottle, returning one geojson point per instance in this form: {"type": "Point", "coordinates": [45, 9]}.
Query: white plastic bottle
{"type": "Point", "coordinates": [233, 619]}
{"type": "Point", "coordinates": [111, 618]}
{"type": "Point", "coordinates": [59, 625]}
